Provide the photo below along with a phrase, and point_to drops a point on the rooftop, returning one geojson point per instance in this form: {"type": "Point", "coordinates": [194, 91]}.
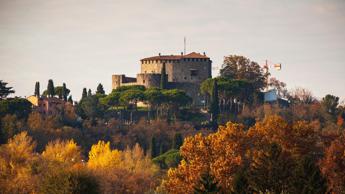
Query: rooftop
{"type": "Point", "coordinates": [192, 55]}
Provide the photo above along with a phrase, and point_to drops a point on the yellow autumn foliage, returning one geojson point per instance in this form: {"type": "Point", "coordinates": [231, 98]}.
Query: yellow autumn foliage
{"type": "Point", "coordinates": [102, 156]}
{"type": "Point", "coordinates": [67, 152]}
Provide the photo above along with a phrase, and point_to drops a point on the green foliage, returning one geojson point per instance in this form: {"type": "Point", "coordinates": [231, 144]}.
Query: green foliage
{"type": "Point", "coordinates": [177, 97]}
{"type": "Point", "coordinates": [214, 106]}
{"type": "Point", "coordinates": [169, 159]}
{"type": "Point", "coordinates": [100, 89]}
{"type": "Point", "coordinates": [18, 106]}
{"type": "Point", "coordinates": [240, 183]}
{"type": "Point", "coordinates": [131, 97]}
{"type": "Point", "coordinates": [37, 89]}
{"type": "Point", "coordinates": [330, 103]}
{"type": "Point", "coordinates": [112, 99]}
{"type": "Point", "coordinates": [177, 141]}
{"type": "Point", "coordinates": [154, 96]}
{"type": "Point", "coordinates": [134, 87]}
{"type": "Point", "coordinates": [206, 184]}
{"type": "Point", "coordinates": [70, 100]}
{"type": "Point", "coordinates": [164, 80]}
{"type": "Point", "coordinates": [89, 93]}
{"type": "Point", "coordinates": [90, 107]}
{"type": "Point", "coordinates": [308, 178]}
{"type": "Point", "coordinates": [5, 91]}
{"type": "Point", "coordinates": [60, 91]}
{"type": "Point", "coordinates": [64, 92]}
{"type": "Point", "coordinates": [84, 94]}
{"type": "Point", "coordinates": [50, 88]}
{"type": "Point", "coordinates": [153, 147]}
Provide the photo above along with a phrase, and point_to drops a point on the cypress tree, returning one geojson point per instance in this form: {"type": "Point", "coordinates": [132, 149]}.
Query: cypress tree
{"type": "Point", "coordinates": [89, 93]}
{"type": "Point", "coordinates": [84, 95]}
{"type": "Point", "coordinates": [70, 100]}
{"type": "Point", "coordinates": [100, 89]}
{"type": "Point", "coordinates": [64, 92]}
{"type": "Point", "coordinates": [37, 89]}
{"type": "Point", "coordinates": [154, 151]}
{"type": "Point", "coordinates": [214, 108]}
{"type": "Point", "coordinates": [177, 141]}
{"type": "Point", "coordinates": [50, 88]}
{"type": "Point", "coordinates": [163, 84]}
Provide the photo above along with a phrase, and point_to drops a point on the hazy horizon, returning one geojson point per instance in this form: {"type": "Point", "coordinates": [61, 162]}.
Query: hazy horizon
{"type": "Point", "coordinates": [82, 43]}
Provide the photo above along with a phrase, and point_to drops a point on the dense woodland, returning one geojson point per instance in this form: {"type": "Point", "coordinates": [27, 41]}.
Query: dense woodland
{"type": "Point", "coordinates": [235, 143]}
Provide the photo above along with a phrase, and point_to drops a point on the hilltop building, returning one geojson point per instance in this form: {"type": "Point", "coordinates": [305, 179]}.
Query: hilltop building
{"type": "Point", "coordinates": [185, 72]}
{"type": "Point", "coordinates": [49, 106]}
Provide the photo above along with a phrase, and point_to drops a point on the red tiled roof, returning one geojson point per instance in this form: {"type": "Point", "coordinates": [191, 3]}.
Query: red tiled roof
{"type": "Point", "coordinates": [193, 55]}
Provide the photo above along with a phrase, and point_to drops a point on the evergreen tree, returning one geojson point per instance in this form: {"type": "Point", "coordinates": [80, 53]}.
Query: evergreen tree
{"type": "Point", "coordinates": [154, 151]}
{"type": "Point", "coordinates": [308, 178]}
{"type": "Point", "coordinates": [100, 89]}
{"type": "Point", "coordinates": [70, 100]}
{"type": "Point", "coordinates": [64, 92]}
{"type": "Point", "coordinates": [5, 91]}
{"type": "Point", "coordinates": [214, 107]}
{"type": "Point", "coordinates": [89, 93]}
{"type": "Point", "coordinates": [240, 183]}
{"type": "Point", "coordinates": [177, 141]}
{"type": "Point", "coordinates": [84, 95]}
{"type": "Point", "coordinates": [163, 84]}
{"type": "Point", "coordinates": [37, 89]}
{"type": "Point", "coordinates": [206, 184]}
{"type": "Point", "coordinates": [50, 88]}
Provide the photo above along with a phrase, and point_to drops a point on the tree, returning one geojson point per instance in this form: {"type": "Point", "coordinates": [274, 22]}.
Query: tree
{"type": "Point", "coordinates": [333, 165]}
{"type": "Point", "coordinates": [37, 89]}
{"type": "Point", "coordinates": [70, 100]}
{"type": "Point", "coordinates": [59, 91]}
{"type": "Point", "coordinates": [206, 184]}
{"type": "Point", "coordinates": [5, 91]}
{"type": "Point", "coordinates": [102, 156]}
{"type": "Point", "coordinates": [164, 81]}
{"type": "Point", "coordinates": [131, 97]}
{"type": "Point", "coordinates": [100, 89]}
{"type": "Point", "coordinates": [17, 159]}
{"type": "Point", "coordinates": [153, 148]}
{"type": "Point", "coordinates": [50, 88]}
{"type": "Point", "coordinates": [241, 68]}
{"type": "Point", "coordinates": [65, 152]}
{"type": "Point", "coordinates": [214, 107]}
{"type": "Point", "coordinates": [84, 94]}
{"type": "Point", "coordinates": [90, 107]}
{"type": "Point", "coordinates": [64, 92]}
{"type": "Point", "coordinates": [18, 106]}
{"type": "Point", "coordinates": [330, 103]}
{"type": "Point", "coordinates": [89, 93]}
{"type": "Point", "coordinates": [271, 170]}
{"type": "Point", "coordinates": [308, 178]}
{"type": "Point", "coordinates": [177, 141]}
{"type": "Point", "coordinates": [302, 96]}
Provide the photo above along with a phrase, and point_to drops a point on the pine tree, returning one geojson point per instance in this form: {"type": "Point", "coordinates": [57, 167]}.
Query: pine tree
{"type": "Point", "coordinates": [100, 89]}
{"type": "Point", "coordinates": [64, 92]}
{"type": "Point", "coordinates": [50, 88]}
{"type": "Point", "coordinates": [84, 95]}
{"type": "Point", "coordinates": [37, 89]}
{"type": "Point", "coordinates": [89, 93]}
{"type": "Point", "coordinates": [206, 184]}
{"type": "Point", "coordinates": [70, 100]}
{"type": "Point", "coordinates": [177, 141]}
{"type": "Point", "coordinates": [214, 107]}
{"type": "Point", "coordinates": [5, 91]}
{"type": "Point", "coordinates": [163, 84]}
{"type": "Point", "coordinates": [154, 151]}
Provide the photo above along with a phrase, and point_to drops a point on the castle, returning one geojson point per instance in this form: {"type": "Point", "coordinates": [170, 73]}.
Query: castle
{"type": "Point", "coordinates": [185, 72]}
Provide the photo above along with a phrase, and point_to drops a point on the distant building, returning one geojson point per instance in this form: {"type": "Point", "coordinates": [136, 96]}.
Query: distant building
{"type": "Point", "coordinates": [49, 106]}
{"type": "Point", "coordinates": [185, 72]}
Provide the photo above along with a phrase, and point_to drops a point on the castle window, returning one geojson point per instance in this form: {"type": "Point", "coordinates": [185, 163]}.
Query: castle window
{"type": "Point", "coordinates": [193, 72]}
{"type": "Point", "coordinates": [143, 81]}
{"type": "Point", "coordinates": [185, 77]}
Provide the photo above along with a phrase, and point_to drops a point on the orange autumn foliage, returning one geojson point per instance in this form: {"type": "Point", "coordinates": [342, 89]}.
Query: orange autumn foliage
{"type": "Point", "coordinates": [333, 165]}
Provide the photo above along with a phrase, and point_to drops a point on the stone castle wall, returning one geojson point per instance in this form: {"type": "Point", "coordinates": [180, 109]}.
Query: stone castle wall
{"type": "Point", "coordinates": [149, 80]}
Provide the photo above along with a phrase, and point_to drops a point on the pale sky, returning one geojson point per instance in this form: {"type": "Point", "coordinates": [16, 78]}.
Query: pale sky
{"type": "Point", "coordinates": [84, 42]}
